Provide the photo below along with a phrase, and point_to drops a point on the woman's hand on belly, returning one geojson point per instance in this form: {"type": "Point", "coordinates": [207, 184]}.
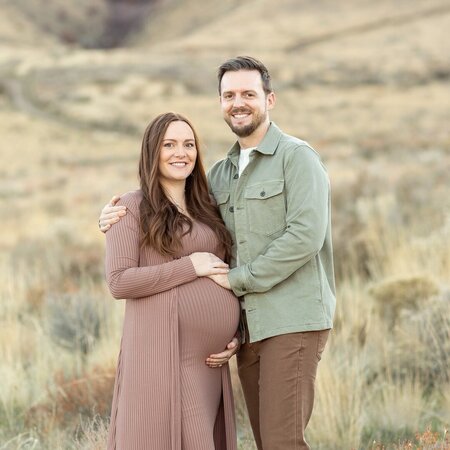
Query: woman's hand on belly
{"type": "Point", "coordinates": [218, 359]}
{"type": "Point", "coordinates": [207, 264]}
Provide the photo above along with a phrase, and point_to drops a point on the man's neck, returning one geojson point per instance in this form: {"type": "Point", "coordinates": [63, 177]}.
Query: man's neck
{"type": "Point", "coordinates": [255, 138]}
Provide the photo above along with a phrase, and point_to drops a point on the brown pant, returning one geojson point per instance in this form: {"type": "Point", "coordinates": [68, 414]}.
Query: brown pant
{"type": "Point", "coordinates": [277, 376]}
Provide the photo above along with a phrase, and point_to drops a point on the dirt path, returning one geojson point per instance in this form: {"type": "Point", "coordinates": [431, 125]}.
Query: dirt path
{"type": "Point", "coordinates": [379, 24]}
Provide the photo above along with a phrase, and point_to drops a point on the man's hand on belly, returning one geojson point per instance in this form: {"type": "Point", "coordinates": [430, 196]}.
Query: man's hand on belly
{"type": "Point", "coordinates": [221, 280]}
{"type": "Point", "coordinates": [218, 359]}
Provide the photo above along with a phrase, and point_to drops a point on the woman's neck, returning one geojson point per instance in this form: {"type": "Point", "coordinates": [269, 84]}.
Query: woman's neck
{"type": "Point", "coordinates": [176, 194]}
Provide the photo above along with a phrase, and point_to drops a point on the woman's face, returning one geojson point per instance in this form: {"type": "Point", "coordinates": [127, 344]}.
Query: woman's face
{"type": "Point", "coordinates": [178, 153]}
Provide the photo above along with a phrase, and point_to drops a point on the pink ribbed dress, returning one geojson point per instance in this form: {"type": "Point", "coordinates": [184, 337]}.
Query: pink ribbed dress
{"type": "Point", "coordinates": [165, 396]}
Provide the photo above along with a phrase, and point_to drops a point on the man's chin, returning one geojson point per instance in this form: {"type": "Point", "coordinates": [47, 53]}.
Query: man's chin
{"type": "Point", "coordinates": [242, 132]}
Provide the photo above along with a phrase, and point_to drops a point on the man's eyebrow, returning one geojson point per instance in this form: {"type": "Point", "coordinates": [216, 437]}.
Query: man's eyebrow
{"type": "Point", "coordinates": [243, 91]}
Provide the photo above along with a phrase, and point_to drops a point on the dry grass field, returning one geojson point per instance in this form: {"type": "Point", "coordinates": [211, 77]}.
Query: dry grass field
{"type": "Point", "coordinates": [366, 83]}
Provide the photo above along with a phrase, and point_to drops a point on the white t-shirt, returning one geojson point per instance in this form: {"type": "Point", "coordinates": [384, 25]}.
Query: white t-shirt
{"type": "Point", "coordinates": [244, 158]}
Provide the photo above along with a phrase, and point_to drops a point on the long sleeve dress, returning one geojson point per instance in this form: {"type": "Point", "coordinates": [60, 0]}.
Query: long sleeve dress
{"type": "Point", "coordinates": [165, 396]}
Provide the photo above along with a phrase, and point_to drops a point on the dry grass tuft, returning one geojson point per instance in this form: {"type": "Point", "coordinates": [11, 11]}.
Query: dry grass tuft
{"type": "Point", "coordinates": [92, 434]}
{"type": "Point", "coordinates": [422, 344]}
{"type": "Point", "coordinates": [427, 440]}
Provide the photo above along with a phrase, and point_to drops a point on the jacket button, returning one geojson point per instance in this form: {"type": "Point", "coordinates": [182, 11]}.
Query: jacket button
{"type": "Point", "coordinates": [231, 209]}
{"type": "Point", "coordinates": [236, 176]}
{"type": "Point", "coordinates": [262, 194]}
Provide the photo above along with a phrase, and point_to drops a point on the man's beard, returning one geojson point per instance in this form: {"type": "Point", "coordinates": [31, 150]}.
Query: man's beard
{"type": "Point", "coordinates": [246, 130]}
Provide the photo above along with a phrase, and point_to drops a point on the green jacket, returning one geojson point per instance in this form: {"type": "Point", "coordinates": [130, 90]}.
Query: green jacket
{"type": "Point", "coordinates": [278, 212]}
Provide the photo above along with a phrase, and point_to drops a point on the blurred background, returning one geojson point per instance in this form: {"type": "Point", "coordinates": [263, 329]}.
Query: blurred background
{"type": "Point", "coordinates": [365, 83]}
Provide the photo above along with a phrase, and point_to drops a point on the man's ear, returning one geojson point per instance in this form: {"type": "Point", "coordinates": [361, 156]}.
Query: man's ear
{"type": "Point", "coordinates": [271, 100]}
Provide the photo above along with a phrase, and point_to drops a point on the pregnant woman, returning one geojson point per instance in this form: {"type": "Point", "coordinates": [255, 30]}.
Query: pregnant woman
{"type": "Point", "coordinates": [159, 257]}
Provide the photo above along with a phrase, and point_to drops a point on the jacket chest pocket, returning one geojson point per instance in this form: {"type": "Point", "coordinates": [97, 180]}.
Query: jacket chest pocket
{"type": "Point", "coordinates": [265, 204]}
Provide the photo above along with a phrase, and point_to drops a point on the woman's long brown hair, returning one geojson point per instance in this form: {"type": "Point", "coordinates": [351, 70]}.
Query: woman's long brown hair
{"type": "Point", "coordinates": [162, 224]}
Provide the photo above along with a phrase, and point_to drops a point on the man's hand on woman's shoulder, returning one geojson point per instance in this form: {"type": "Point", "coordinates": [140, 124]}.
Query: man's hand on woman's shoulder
{"type": "Point", "coordinates": [111, 214]}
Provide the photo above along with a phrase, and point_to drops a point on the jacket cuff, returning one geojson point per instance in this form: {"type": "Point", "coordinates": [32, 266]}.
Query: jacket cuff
{"type": "Point", "coordinates": [238, 280]}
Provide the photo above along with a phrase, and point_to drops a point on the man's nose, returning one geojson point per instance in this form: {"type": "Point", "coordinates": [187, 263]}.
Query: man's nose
{"type": "Point", "coordinates": [238, 101]}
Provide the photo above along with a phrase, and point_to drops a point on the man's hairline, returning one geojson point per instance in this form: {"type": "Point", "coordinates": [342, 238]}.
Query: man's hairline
{"type": "Point", "coordinates": [244, 70]}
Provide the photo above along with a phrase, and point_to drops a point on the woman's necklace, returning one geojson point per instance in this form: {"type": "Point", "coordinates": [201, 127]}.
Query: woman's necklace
{"type": "Point", "coordinates": [180, 208]}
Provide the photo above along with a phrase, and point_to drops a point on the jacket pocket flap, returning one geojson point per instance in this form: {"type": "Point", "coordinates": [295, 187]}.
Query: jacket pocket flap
{"type": "Point", "coordinates": [264, 190]}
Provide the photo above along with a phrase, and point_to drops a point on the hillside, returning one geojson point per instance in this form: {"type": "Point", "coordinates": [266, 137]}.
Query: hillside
{"type": "Point", "coordinates": [366, 84]}
{"type": "Point", "coordinates": [16, 29]}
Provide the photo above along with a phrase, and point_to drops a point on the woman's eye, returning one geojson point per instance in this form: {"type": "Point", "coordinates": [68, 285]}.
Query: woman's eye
{"type": "Point", "coordinates": [167, 145]}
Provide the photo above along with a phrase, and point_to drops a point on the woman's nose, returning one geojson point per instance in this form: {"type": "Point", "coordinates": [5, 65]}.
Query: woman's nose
{"type": "Point", "coordinates": [180, 151]}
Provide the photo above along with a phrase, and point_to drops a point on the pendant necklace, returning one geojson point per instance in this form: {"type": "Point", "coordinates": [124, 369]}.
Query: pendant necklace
{"type": "Point", "coordinates": [177, 204]}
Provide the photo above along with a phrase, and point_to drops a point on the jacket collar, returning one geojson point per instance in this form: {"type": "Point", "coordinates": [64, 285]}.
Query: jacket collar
{"type": "Point", "coordinates": [267, 146]}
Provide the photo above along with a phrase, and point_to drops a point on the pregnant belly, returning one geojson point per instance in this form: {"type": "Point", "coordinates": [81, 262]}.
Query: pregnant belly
{"type": "Point", "coordinates": [208, 316]}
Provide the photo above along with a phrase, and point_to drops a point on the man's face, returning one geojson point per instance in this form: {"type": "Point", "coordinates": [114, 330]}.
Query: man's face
{"type": "Point", "coordinates": [243, 101]}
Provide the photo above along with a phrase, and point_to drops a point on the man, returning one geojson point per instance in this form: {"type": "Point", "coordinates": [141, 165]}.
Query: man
{"type": "Point", "coordinates": [274, 196]}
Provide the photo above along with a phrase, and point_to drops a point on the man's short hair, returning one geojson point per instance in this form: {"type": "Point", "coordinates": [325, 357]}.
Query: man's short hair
{"type": "Point", "coordinates": [246, 63]}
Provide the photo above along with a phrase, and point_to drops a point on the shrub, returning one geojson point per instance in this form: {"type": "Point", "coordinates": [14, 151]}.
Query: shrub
{"type": "Point", "coordinates": [397, 294]}
{"type": "Point", "coordinates": [75, 320]}
{"type": "Point", "coordinates": [74, 397]}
